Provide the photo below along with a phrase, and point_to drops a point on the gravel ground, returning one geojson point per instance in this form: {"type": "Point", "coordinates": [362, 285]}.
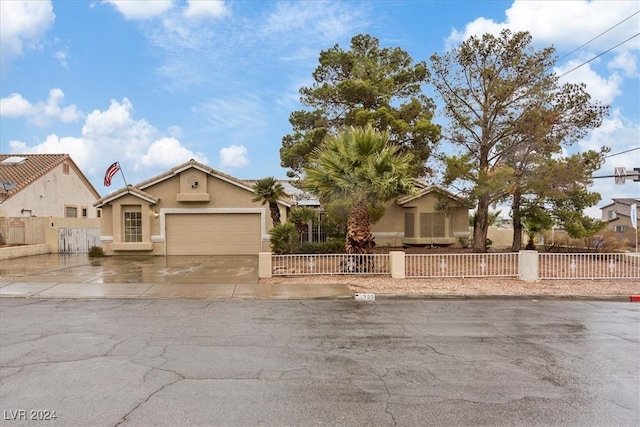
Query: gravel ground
{"type": "Point", "coordinates": [470, 286]}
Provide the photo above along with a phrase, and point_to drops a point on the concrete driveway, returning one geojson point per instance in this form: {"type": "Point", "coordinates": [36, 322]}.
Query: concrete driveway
{"type": "Point", "coordinates": [78, 276]}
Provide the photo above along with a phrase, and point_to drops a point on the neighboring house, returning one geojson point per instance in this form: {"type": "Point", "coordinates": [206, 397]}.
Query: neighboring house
{"type": "Point", "coordinates": [38, 191]}
{"type": "Point", "coordinates": [618, 214]}
{"type": "Point", "coordinates": [190, 210]}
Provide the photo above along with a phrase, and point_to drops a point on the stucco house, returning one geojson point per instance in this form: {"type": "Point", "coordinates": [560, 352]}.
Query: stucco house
{"type": "Point", "coordinates": [433, 216]}
{"type": "Point", "coordinates": [191, 209]}
{"type": "Point", "coordinates": [618, 214]}
{"type": "Point", "coordinates": [40, 192]}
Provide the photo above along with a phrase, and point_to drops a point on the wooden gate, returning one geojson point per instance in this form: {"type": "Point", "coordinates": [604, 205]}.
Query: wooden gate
{"type": "Point", "coordinates": [78, 240]}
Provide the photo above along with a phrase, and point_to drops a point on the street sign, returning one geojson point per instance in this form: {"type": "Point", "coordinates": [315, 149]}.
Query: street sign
{"type": "Point", "coordinates": [620, 175]}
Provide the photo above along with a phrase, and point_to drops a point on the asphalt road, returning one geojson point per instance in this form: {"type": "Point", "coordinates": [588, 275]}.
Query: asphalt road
{"type": "Point", "coordinates": [111, 362]}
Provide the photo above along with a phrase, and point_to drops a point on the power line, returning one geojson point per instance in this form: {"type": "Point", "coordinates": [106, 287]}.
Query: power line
{"type": "Point", "coordinates": [598, 36]}
{"type": "Point", "coordinates": [597, 56]}
{"type": "Point", "coordinates": [622, 152]}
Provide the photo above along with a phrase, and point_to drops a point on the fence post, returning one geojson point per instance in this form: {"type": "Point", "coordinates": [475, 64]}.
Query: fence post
{"type": "Point", "coordinates": [264, 265]}
{"type": "Point", "coordinates": [528, 266]}
{"type": "Point", "coordinates": [396, 264]}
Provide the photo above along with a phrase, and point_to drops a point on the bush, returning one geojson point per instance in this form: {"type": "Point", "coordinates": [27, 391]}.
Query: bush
{"type": "Point", "coordinates": [96, 252]}
{"type": "Point", "coordinates": [284, 239]}
{"type": "Point", "coordinates": [333, 246]}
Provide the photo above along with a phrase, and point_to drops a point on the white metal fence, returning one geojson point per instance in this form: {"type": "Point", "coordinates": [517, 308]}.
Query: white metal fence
{"type": "Point", "coordinates": [461, 265]}
{"type": "Point", "coordinates": [288, 265]}
{"type": "Point", "coordinates": [589, 266]}
{"type": "Point", "coordinates": [545, 266]}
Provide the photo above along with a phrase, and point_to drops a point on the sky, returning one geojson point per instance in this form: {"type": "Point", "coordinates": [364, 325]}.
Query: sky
{"type": "Point", "coordinates": [152, 84]}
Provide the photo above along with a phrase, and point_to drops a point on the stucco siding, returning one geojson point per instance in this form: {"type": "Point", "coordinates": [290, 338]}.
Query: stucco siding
{"type": "Point", "coordinates": [49, 195]}
{"type": "Point", "coordinates": [191, 212]}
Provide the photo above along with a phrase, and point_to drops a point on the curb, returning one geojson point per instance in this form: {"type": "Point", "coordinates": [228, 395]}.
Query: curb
{"type": "Point", "coordinates": [450, 297]}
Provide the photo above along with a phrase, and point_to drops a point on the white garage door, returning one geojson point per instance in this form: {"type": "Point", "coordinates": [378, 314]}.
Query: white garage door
{"type": "Point", "coordinates": [213, 233]}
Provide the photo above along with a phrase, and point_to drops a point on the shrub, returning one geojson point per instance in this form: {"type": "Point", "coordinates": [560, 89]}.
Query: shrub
{"type": "Point", "coordinates": [284, 239]}
{"type": "Point", "coordinates": [332, 246]}
{"type": "Point", "coordinates": [96, 252]}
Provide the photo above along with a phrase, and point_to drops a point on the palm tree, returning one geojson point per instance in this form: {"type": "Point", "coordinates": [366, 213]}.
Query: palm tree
{"type": "Point", "coordinates": [361, 166]}
{"type": "Point", "coordinates": [284, 238]}
{"type": "Point", "coordinates": [269, 190]}
{"type": "Point", "coordinates": [301, 216]}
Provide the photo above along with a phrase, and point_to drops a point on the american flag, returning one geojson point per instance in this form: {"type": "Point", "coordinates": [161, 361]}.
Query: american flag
{"type": "Point", "coordinates": [111, 171]}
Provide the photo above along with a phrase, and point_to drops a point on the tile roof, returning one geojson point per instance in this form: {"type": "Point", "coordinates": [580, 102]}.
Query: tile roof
{"type": "Point", "coordinates": [22, 174]}
{"type": "Point", "coordinates": [244, 184]}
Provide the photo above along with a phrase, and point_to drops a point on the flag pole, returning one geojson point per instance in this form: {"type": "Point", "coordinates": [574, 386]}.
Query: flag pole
{"type": "Point", "coordinates": [122, 173]}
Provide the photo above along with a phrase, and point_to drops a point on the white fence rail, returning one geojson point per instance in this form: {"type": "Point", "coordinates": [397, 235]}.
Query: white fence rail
{"type": "Point", "coordinates": [535, 266]}
{"type": "Point", "coordinates": [290, 265]}
{"type": "Point", "coordinates": [589, 266]}
{"type": "Point", "coordinates": [462, 265]}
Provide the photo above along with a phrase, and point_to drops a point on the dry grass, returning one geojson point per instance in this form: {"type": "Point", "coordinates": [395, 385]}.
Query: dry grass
{"type": "Point", "coordinates": [469, 286]}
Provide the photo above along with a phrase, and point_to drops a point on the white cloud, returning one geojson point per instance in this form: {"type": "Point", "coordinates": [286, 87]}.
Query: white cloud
{"type": "Point", "coordinates": [619, 135]}
{"type": "Point", "coordinates": [167, 153]}
{"type": "Point", "coordinates": [323, 21]}
{"type": "Point", "coordinates": [22, 25]}
{"type": "Point", "coordinates": [61, 54]}
{"type": "Point", "coordinates": [627, 62]}
{"type": "Point", "coordinates": [115, 135]}
{"type": "Point", "coordinates": [80, 150]}
{"type": "Point", "coordinates": [234, 156]}
{"type": "Point", "coordinates": [140, 9]}
{"type": "Point", "coordinates": [200, 9]}
{"type": "Point", "coordinates": [566, 24]}
{"type": "Point", "coordinates": [175, 131]}
{"type": "Point", "coordinates": [42, 113]}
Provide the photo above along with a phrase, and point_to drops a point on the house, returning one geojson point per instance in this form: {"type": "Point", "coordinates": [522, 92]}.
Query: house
{"type": "Point", "coordinates": [433, 216]}
{"type": "Point", "coordinates": [618, 214]}
{"type": "Point", "coordinates": [41, 192]}
{"type": "Point", "coordinates": [191, 209]}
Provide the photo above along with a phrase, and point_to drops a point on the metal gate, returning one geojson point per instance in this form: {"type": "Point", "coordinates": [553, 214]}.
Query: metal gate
{"type": "Point", "coordinates": [78, 240]}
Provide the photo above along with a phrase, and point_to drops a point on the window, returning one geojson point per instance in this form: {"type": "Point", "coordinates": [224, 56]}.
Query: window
{"type": "Point", "coordinates": [71, 212]}
{"type": "Point", "coordinates": [620, 228]}
{"type": "Point", "coordinates": [65, 168]}
{"type": "Point", "coordinates": [611, 214]}
{"type": "Point", "coordinates": [133, 227]}
{"type": "Point", "coordinates": [432, 225]}
{"type": "Point", "coordinates": [408, 224]}
{"type": "Point", "coordinates": [84, 212]}
{"type": "Point", "coordinates": [99, 213]}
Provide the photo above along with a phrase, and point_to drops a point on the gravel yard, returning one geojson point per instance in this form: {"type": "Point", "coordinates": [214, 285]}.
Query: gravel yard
{"type": "Point", "coordinates": [470, 286]}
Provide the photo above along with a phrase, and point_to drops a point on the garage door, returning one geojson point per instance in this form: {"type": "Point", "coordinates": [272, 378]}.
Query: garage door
{"type": "Point", "coordinates": [213, 233]}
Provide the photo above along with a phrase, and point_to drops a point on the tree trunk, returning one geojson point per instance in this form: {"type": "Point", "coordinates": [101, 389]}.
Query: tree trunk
{"type": "Point", "coordinates": [359, 237]}
{"type": "Point", "coordinates": [481, 225]}
{"type": "Point", "coordinates": [275, 213]}
{"type": "Point", "coordinates": [516, 243]}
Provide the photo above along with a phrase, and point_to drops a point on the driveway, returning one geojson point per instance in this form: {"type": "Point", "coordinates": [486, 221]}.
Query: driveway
{"type": "Point", "coordinates": [210, 277]}
{"type": "Point", "coordinates": [79, 268]}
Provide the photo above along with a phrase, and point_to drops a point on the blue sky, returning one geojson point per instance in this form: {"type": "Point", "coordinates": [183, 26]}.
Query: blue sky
{"type": "Point", "coordinates": [152, 84]}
